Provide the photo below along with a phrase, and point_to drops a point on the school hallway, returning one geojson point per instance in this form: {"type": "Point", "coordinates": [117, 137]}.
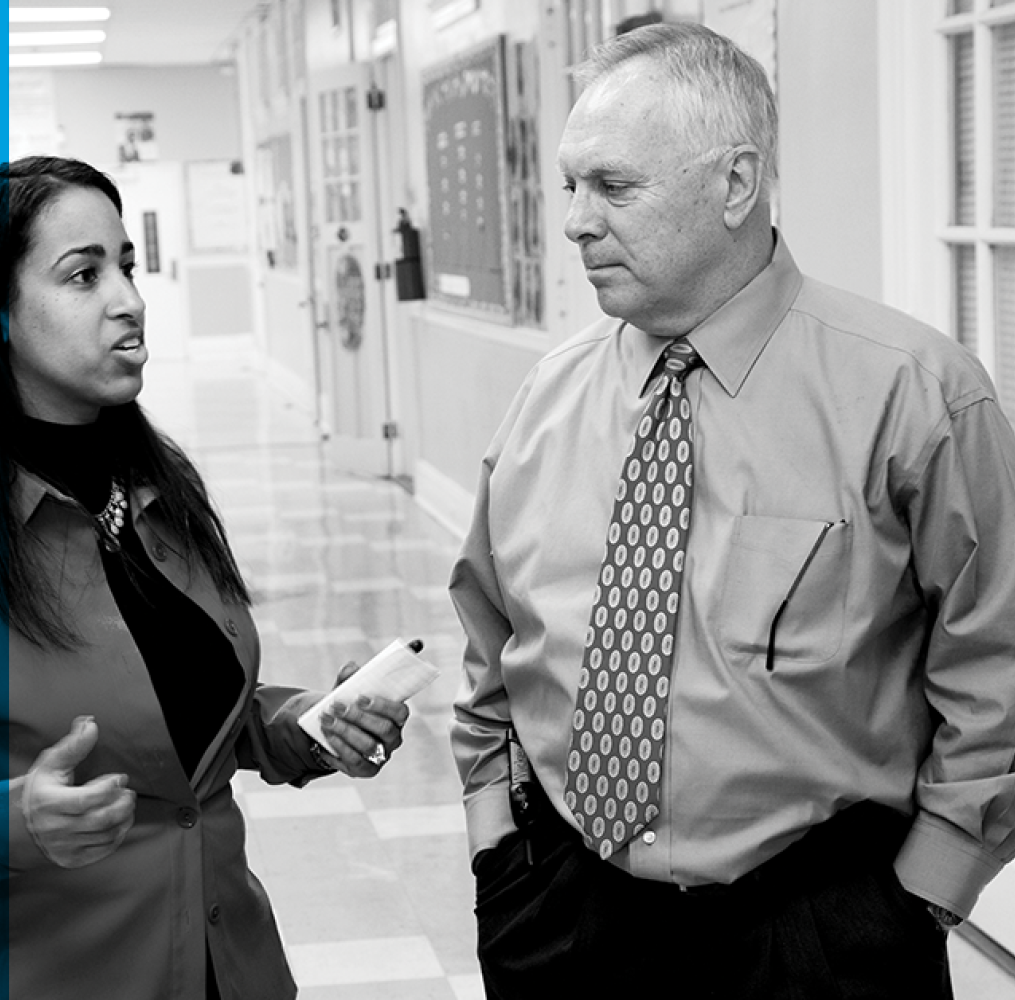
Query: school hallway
{"type": "Point", "coordinates": [369, 879]}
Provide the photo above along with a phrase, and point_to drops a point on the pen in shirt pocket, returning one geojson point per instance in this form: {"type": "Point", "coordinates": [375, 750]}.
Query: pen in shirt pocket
{"type": "Point", "coordinates": [828, 525]}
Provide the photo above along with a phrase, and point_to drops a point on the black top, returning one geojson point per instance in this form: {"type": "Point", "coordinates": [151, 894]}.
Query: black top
{"type": "Point", "coordinates": [193, 667]}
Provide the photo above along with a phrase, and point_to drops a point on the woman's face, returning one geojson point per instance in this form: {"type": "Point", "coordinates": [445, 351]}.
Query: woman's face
{"type": "Point", "coordinates": [77, 321]}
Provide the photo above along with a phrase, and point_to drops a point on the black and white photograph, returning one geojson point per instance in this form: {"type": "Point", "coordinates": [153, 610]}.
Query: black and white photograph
{"type": "Point", "coordinates": [509, 500]}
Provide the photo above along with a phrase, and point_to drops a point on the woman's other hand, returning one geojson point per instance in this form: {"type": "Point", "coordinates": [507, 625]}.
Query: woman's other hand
{"type": "Point", "coordinates": [75, 825]}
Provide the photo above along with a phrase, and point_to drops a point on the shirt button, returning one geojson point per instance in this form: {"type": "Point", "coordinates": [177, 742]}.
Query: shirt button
{"type": "Point", "coordinates": [649, 837]}
{"type": "Point", "coordinates": [159, 551]}
{"type": "Point", "coordinates": [232, 628]}
{"type": "Point", "coordinates": [214, 913]}
{"type": "Point", "coordinates": [187, 818]}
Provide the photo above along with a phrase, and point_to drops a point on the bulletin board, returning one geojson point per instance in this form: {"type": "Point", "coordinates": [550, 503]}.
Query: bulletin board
{"type": "Point", "coordinates": [468, 245]}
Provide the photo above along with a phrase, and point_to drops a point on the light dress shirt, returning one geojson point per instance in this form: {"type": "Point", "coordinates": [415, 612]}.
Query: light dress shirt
{"type": "Point", "coordinates": [850, 462]}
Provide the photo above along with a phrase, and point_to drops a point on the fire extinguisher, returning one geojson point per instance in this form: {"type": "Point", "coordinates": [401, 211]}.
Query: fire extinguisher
{"type": "Point", "coordinates": [409, 265]}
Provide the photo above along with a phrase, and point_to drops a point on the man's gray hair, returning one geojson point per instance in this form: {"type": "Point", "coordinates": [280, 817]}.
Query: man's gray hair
{"type": "Point", "coordinates": [722, 96]}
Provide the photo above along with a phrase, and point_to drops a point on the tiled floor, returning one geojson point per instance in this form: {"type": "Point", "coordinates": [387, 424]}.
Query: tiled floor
{"type": "Point", "coordinates": [369, 878]}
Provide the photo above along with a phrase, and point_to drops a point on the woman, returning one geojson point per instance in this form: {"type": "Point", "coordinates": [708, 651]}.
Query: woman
{"type": "Point", "coordinates": [133, 658]}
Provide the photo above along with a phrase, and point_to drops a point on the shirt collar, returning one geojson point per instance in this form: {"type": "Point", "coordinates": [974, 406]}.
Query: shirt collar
{"type": "Point", "coordinates": [733, 337]}
{"type": "Point", "coordinates": [30, 490]}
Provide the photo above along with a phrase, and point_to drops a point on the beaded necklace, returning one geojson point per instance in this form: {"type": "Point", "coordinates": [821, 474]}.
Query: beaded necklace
{"type": "Point", "coordinates": [111, 518]}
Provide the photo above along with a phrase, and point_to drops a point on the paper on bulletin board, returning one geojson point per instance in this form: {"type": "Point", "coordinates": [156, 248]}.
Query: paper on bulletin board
{"type": "Point", "coordinates": [216, 206]}
{"type": "Point", "coordinates": [750, 23]}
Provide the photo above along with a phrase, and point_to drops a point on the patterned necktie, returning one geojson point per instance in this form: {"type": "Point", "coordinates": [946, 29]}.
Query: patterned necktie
{"type": "Point", "coordinates": [615, 758]}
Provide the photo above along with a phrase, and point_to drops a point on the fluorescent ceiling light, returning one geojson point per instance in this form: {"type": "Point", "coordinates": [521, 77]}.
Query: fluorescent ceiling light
{"type": "Point", "coordinates": [25, 39]}
{"type": "Point", "coordinates": [23, 60]}
{"type": "Point", "coordinates": [29, 15]}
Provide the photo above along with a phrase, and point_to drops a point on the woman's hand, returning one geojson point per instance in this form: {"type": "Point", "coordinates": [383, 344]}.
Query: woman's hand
{"type": "Point", "coordinates": [365, 734]}
{"type": "Point", "coordinates": [75, 825]}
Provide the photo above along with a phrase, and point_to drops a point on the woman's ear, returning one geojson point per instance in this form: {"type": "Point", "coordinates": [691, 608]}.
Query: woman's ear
{"type": "Point", "coordinates": [745, 178]}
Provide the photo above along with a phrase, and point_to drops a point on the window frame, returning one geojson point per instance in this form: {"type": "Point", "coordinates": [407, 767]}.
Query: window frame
{"type": "Point", "coordinates": [982, 234]}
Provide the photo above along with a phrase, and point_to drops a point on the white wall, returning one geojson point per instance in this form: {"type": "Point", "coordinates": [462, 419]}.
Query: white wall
{"type": "Point", "coordinates": [828, 91]}
{"type": "Point", "coordinates": [195, 108]}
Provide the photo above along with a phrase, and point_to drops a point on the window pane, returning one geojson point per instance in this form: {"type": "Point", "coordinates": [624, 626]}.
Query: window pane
{"type": "Point", "coordinates": [334, 117]}
{"type": "Point", "coordinates": [352, 145]}
{"type": "Point", "coordinates": [1004, 308]}
{"type": "Point", "coordinates": [351, 108]}
{"type": "Point", "coordinates": [962, 111]}
{"type": "Point", "coordinates": [1004, 125]}
{"type": "Point", "coordinates": [964, 263]}
{"type": "Point", "coordinates": [960, 6]}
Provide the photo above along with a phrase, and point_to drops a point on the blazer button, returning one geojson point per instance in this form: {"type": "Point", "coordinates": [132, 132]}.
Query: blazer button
{"type": "Point", "coordinates": [232, 628]}
{"type": "Point", "coordinates": [159, 551]}
{"type": "Point", "coordinates": [214, 913]}
{"type": "Point", "coordinates": [186, 817]}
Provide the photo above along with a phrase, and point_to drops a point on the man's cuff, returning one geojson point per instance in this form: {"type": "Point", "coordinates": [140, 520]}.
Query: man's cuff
{"type": "Point", "coordinates": [488, 818]}
{"type": "Point", "coordinates": [944, 865]}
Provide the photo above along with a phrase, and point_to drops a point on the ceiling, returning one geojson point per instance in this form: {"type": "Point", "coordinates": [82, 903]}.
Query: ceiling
{"type": "Point", "coordinates": [158, 32]}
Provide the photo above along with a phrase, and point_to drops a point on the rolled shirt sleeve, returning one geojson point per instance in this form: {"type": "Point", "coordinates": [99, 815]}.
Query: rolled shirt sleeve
{"type": "Point", "coordinates": [482, 713]}
{"type": "Point", "coordinates": [962, 520]}
{"type": "Point", "coordinates": [272, 742]}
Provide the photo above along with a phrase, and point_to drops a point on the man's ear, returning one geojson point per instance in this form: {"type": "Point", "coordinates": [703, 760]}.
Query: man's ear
{"type": "Point", "coordinates": [745, 181]}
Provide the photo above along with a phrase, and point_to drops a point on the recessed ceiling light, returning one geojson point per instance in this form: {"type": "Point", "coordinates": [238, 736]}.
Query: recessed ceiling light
{"type": "Point", "coordinates": [23, 60]}
{"type": "Point", "coordinates": [29, 15]}
{"type": "Point", "coordinates": [24, 39]}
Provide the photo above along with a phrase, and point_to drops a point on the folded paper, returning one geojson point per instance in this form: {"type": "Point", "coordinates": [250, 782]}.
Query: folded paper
{"type": "Point", "coordinates": [395, 673]}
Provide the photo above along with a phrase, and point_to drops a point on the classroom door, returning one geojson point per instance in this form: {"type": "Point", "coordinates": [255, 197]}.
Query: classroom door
{"type": "Point", "coordinates": [153, 215]}
{"type": "Point", "coordinates": [349, 268]}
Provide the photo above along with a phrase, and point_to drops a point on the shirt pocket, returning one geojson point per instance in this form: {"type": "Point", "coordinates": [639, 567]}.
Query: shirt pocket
{"type": "Point", "coordinates": [784, 592]}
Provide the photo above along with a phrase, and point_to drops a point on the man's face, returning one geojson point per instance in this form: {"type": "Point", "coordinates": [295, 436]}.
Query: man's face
{"type": "Point", "coordinates": [646, 211]}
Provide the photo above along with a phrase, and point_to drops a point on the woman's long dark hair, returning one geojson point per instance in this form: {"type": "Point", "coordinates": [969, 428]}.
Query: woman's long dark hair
{"type": "Point", "coordinates": [28, 187]}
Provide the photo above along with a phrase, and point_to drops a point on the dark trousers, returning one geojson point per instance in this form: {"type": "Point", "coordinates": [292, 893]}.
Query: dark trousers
{"type": "Point", "coordinates": [825, 920]}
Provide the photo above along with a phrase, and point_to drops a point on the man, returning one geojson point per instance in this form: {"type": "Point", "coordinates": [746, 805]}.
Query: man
{"type": "Point", "coordinates": [739, 593]}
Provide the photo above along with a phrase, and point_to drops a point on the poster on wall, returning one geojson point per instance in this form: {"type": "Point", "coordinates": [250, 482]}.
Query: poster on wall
{"type": "Point", "coordinates": [216, 206]}
{"type": "Point", "coordinates": [465, 118]}
{"type": "Point", "coordinates": [276, 203]}
{"type": "Point", "coordinates": [135, 136]}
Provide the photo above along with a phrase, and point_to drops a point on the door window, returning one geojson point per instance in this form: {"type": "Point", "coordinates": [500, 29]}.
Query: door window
{"type": "Point", "coordinates": [340, 154]}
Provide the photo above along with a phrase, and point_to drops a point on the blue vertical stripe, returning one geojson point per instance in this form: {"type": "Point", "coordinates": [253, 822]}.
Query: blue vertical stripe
{"type": "Point", "coordinates": [5, 982]}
